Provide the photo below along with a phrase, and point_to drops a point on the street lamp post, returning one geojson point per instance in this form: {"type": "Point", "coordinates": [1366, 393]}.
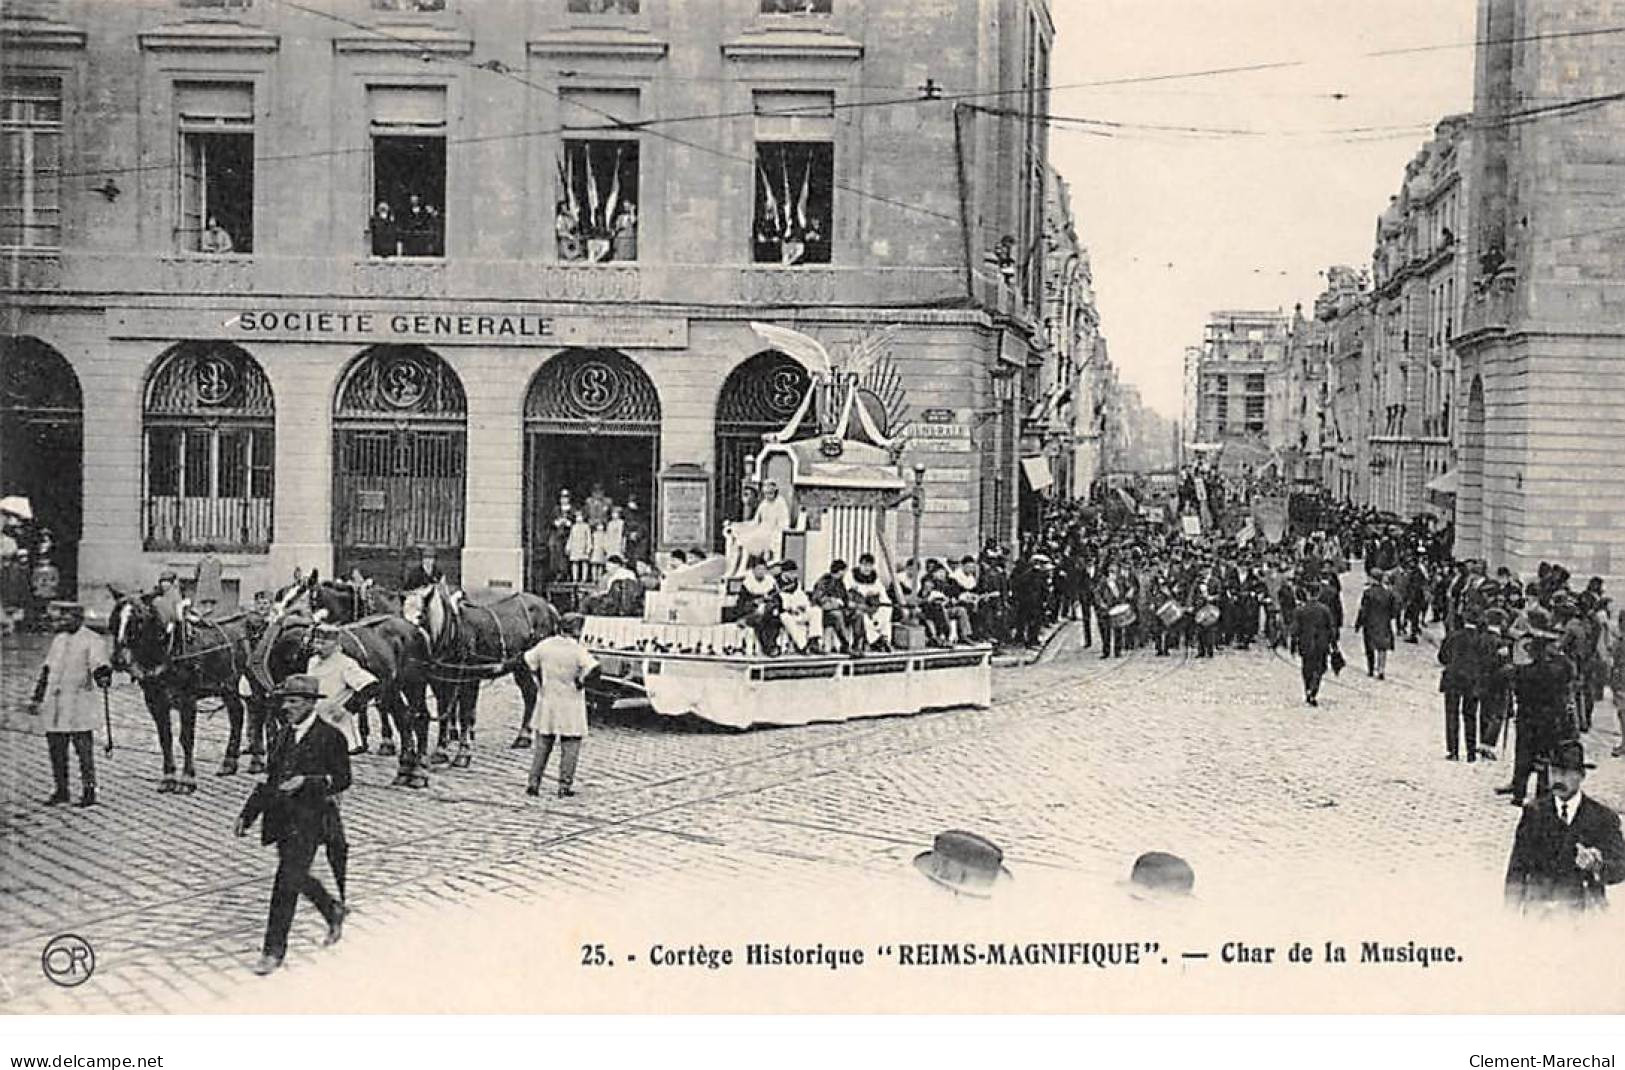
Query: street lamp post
{"type": "Point", "coordinates": [919, 508]}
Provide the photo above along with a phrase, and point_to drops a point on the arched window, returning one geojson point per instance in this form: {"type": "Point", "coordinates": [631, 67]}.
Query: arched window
{"type": "Point", "coordinates": [209, 430]}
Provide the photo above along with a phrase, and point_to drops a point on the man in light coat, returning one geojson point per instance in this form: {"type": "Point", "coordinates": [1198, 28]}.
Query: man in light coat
{"type": "Point", "coordinates": [75, 669]}
{"type": "Point", "coordinates": [566, 668]}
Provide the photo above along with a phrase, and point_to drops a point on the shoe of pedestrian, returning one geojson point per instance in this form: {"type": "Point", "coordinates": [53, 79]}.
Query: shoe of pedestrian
{"type": "Point", "coordinates": [228, 767]}
{"type": "Point", "coordinates": [1515, 801]}
{"type": "Point", "coordinates": [1382, 676]}
{"type": "Point", "coordinates": [1452, 757]}
{"type": "Point", "coordinates": [520, 742]}
{"type": "Point", "coordinates": [87, 799]}
{"type": "Point", "coordinates": [1505, 789]}
{"type": "Point", "coordinates": [533, 790]}
{"type": "Point", "coordinates": [386, 749]}
{"type": "Point", "coordinates": [1472, 759]}
{"type": "Point", "coordinates": [267, 964]}
{"type": "Point", "coordinates": [57, 798]}
{"type": "Point", "coordinates": [566, 792]}
{"type": "Point", "coordinates": [335, 928]}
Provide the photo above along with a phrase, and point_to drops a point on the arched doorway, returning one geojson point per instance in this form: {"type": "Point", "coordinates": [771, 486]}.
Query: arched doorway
{"type": "Point", "coordinates": [400, 448]}
{"type": "Point", "coordinates": [208, 424]}
{"type": "Point", "coordinates": [592, 418]}
{"type": "Point", "coordinates": [1470, 521]}
{"type": "Point", "coordinates": [758, 397]}
{"type": "Point", "coordinates": [42, 447]}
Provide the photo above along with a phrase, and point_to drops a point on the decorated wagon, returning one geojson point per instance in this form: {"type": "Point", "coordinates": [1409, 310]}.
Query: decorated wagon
{"type": "Point", "coordinates": [844, 491]}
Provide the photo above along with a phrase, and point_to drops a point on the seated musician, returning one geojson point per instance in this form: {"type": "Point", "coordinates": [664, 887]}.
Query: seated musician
{"type": "Point", "coordinates": [622, 595]}
{"type": "Point", "coordinates": [945, 615]}
{"type": "Point", "coordinates": [967, 595]}
{"type": "Point", "coordinates": [798, 616]}
{"type": "Point", "coordinates": [760, 605]}
{"type": "Point", "coordinates": [834, 601]}
{"type": "Point", "coordinates": [872, 605]}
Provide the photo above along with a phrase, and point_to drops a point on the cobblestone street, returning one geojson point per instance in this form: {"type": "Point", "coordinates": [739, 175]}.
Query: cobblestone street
{"type": "Point", "coordinates": [1079, 765]}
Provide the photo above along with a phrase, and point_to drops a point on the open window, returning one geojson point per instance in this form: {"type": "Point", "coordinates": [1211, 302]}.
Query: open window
{"type": "Point", "coordinates": [795, 178]}
{"type": "Point", "coordinates": [408, 171]}
{"type": "Point", "coordinates": [215, 122]}
{"type": "Point", "coordinates": [31, 164]}
{"type": "Point", "coordinates": [596, 217]}
{"type": "Point", "coordinates": [796, 7]}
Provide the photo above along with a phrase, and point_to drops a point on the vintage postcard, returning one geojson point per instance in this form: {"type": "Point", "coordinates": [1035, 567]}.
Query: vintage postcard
{"type": "Point", "coordinates": [542, 506]}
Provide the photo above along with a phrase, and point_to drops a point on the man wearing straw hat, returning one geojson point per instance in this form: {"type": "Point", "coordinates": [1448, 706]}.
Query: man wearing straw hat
{"type": "Point", "coordinates": [75, 669]}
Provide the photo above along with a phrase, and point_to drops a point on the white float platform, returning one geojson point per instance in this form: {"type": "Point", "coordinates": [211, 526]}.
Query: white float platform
{"type": "Point", "coordinates": [794, 690]}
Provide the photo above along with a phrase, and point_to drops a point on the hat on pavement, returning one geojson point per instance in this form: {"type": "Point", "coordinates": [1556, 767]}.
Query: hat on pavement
{"type": "Point", "coordinates": [299, 685]}
{"type": "Point", "coordinates": [1161, 873]}
{"type": "Point", "coordinates": [963, 862]}
{"type": "Point", "coordinates": [1570, 754]}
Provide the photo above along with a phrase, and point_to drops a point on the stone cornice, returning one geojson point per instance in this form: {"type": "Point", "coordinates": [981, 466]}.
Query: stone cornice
{"type": "Point", "coordinates": [407, 41]}
{"type": "Point", "coordinates": [779, 44]}
{"type": "Point", "coordinates": [209, 37]}
{"type": "Point", "coordinates": [600, 42]}
{"type": "Point", "coordinates": [25, 34]}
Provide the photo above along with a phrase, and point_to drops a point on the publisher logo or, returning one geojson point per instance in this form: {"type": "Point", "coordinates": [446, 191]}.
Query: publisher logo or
{"type": "Point", "coordinates": [68, 960]}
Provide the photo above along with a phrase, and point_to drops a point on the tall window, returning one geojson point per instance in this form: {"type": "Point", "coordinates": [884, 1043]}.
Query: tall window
{"type": "Point", "coordinates": [408, 170]}
{"type": "Point", "coordinates": [215, 189]}
{"type": "Point", "coordinates": [793, 217]}
{"type": "Point", "coordinates": [210, 443]}
{"type": "Point", "coordinates": [596, 216]}
{"type": "Point", "coordinates": [31, 164]}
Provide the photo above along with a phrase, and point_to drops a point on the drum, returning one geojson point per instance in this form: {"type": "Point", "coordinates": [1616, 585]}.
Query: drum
{"type": "Point", "coordinates": [1170, 612]}
{"type": "Point", "coordinates": [1121, 615]}
{"type": "Point", "coordinates": [1207, 616]}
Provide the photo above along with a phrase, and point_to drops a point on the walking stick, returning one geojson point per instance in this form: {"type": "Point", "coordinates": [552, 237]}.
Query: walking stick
{"type": "Point", "coordinates": [107, 714]}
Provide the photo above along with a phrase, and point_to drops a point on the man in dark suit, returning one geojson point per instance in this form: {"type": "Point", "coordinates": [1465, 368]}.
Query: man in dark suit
{"type": "Point", "coordinates": [1568, 848]}
{"type": "Point", "coordinates": [1313, 626]}
{"type": "Point", "coordinates": [309, 765]}
{"type": "Point", "coordinates": [1542, 689]}
{"type": "Point", "coordinates": [1375, 623]}
{"type": "Point", "coordinates": [1466, 655]}
{"type": "Point", "coordinates": [426, 573]}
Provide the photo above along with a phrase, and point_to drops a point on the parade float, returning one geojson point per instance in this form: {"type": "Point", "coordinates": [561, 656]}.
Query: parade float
{"type": "Point", "coordinates": [846, 495]}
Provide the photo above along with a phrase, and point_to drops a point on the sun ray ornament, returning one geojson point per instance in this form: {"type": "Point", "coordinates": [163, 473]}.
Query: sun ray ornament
{"type": "Point", "coordinates": [837, 388]}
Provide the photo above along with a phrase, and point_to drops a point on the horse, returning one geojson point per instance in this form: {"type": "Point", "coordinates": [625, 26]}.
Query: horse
{"type": "Point", "coordinates": [342, 602]}
{"type": "Point", "coordinates": [207, 659]}
{"type": "Point", "coordinates": [472, 641]}
{"type": "Point", "coordinates": [388, 647]}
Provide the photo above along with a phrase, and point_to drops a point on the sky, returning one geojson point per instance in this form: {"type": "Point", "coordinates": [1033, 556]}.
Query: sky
{"type": "Point", "coordinates": [1178, 223]}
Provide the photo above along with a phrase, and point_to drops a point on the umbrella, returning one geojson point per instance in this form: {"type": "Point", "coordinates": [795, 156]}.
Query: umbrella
{"type": "Point", "coordinates": [17, 506]}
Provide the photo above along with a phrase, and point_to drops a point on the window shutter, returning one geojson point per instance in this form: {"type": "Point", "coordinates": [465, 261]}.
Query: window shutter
{"type": "Point", "coordinates": [215, 102]}
{"type": "Point", "coordinates": [599, 107]}
{"type": "Point", "coordinates": [407, 108]}
{"type": "Point", "coordinates": [794, 116]}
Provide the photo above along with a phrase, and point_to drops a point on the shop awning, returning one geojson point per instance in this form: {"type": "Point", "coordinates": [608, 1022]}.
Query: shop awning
{"type": "Point", "coordinates": [1445, 484]}
{"type": "Point", "coordinates": [1037, 472]}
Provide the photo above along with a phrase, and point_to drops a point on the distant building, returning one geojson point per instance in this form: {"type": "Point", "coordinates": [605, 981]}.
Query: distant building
{"type": "Point", "coordinates": [1419, 278]}
{"type": "Point", "coordinates": [1341, 323]}
{"type": "Point", "coordinates": [1240, 386]}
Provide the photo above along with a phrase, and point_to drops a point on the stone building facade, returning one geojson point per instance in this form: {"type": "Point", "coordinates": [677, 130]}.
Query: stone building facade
{"type": "Point", "coordinates": [1542, 341]}
{"type": "Point", "coordinates": [1420, 277]}
{"type": "Point", "coordinates": [1341, 325]}
{"type": "Point", "coordinates": [319, 290]}
{"type": "Point", "coordinates": [1240, 386]}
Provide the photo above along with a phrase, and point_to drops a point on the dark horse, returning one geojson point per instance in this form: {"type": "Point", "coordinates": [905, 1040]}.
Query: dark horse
{"type": "Point", "coordinates": [342, 602]}
{"type": "Point", "coordinates": [388, 647]}
{"type": "Point", "coordinates": [473, 641]}
{"type": "Point", "coordinates": [208, 659]}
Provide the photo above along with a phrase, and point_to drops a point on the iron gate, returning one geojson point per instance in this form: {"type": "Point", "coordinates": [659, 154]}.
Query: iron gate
{"type": "Point", "coordinates": [400, 463]}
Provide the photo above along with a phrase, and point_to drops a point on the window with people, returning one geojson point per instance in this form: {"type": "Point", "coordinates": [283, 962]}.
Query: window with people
{"type": "Point", "coordinates": [215, 122]}
{"type": "Point", "coordinates": [797, 7]}
{"type": "Point", "coordinates": [794, 186]}
{"type": "Point", "coordinates": [408, 171]}
{"type": "Point", "coordinates": [596, 217]}
{"type": "Point", "coordinates": [602, 7]}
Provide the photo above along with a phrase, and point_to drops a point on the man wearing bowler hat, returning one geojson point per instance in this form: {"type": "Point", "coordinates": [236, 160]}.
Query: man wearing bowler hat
{"type": "Point", "coordinates": [1543, 688]}
{"type": "Point", "coordinates": [1568, 847]}
{"type": "Point", "coordinates": [308, 767]}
